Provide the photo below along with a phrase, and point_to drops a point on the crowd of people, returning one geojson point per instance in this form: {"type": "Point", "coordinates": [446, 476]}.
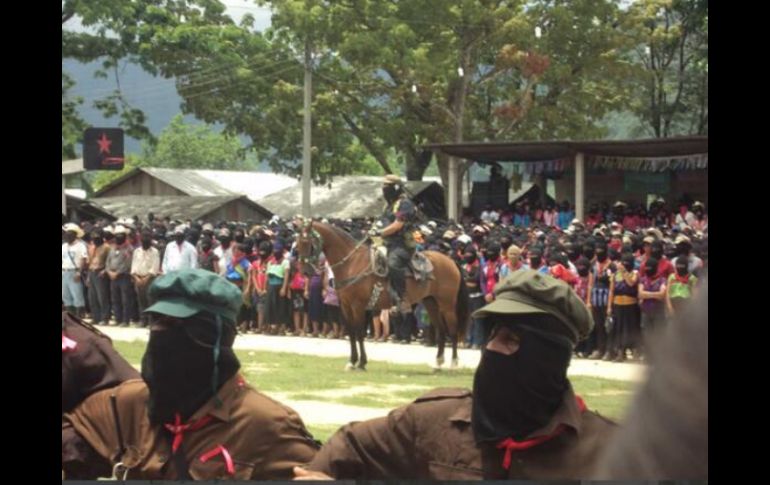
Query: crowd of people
{"type": "Point", "coordinates": [633, 268]}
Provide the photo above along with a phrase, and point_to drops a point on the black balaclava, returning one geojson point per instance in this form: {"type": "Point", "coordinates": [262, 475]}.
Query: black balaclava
{"type": "Point", "coordinates": [602, 253]}
{"type": "Point", "coordinates": [120, 239]}
{"type": "Point", "coordinates": [225, 241]}
{"type": "Point", "coordinates": [391, 192]}
{"type": "Point", "coordinates": [514, 395]}
{"type": "Point", "coordinates": [656, 250]}
{"type": "Point", "coordinates": [651, 267]}
{"type": "Point", "coordinates": [146, 241]}
{"type": "Point", "coordinates": [492, 251]}
{"type": "Point", "coordinates": [239, 237]}
{"type": "Point", "coordinates": [681, 266]}
{"type": "Point", "coordinates": [206, 244]}
{"type": "Point", "coordinates": [535, 259]}
{"type": "Point", "coordinates": [583, 266]}
{"type": "Point", "coordinates": [628, 261]}
{"type": "Point", "coordinates": [97, 239]}
{"type": "Point", "coordinates": [589, 251]}
{"type": "Point", "coordinates": [178, 366]}
{"type": "Point", "coordinates": [573, 252]}
{"type": "Point", "coordinates": [70, 237]}
{"type": "Point", "coordinates": [505, 243]}
{"type": "Point", "coordinates": [179, 238]}
{"type": "Point", "coordinates": [265, 248]}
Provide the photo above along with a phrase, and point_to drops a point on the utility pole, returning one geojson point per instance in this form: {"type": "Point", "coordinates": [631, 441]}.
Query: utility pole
{"type": "Point", "coordinates": [306, 139]}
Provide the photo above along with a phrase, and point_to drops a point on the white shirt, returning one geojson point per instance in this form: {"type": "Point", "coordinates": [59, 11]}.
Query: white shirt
{"type": "Point", "coordinates": [145, 262]}
{"type": "Point", "coordinates": [686, 221]}
{"type": "Point", "coordinates": [225, 257]}
{"type": "Point", "coordinates": [77, 252]}
{"type": "Point", "coordinates": [175, 258]}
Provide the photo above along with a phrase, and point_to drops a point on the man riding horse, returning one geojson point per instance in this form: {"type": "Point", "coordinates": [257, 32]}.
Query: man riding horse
{"type": "Point", "coordinates": [397, 236]}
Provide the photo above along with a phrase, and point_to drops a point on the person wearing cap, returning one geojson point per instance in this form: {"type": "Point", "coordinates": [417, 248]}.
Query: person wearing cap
{"type": "Point", "coordinates": [98, 282]}
{"type": "Point", "coordinates": [277, 312]}
{"type": "Point", "coordinates": [652, 300]}
{"type": "Point", "coordinates": [521, 420]}
{"type": "Point", "coordinates": [179, 254]}
{"type": "Point", "coordinates": [119, 272]}
{"type": "Point", "coordinates": [74, 258]}
{"type": "Point", "coordinates": [684, 217]}
{"type": "Point", "coordinates": [684, 252]}
{"type": "Point", "coordinates": [399, 216]}
{"type": "Point", "coordinates": [701, 221]}
{"type": "Point", "coordinates": [192, 416]}
{"type": "Point", "coordinates": [489, 214]}
{"type": "Point", "coordinates": [145, 267]}
{"type": "Point", "coordinates": [623, 306]}
{"type": "Point", "coordinates": [680, 287]}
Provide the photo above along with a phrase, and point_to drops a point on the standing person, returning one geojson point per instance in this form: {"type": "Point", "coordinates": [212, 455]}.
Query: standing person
{"type": "Point", "coordinates": [297, 286]}
{"type": "Point", "coordinates": [685, 217]}
{"type": "Point", "coordinates": [583, 267]}
{"type": "Point", "coordinates": [684, 251]}
{"type": "Point", "coordinates": [624, 308]}
{"type": "Point", "coordinates": [238, 273]}
{"type": "Point", "coordinates": [489, 275]}
{"type": "Point", "coordinates": [74, 258]}
{"type": "Point", "coordinates": [224, 251]}
{"type": "Point", "coordinates": [207, 256]}
{"type": "Point", "coordinates": [331, 305]}
{"type": "Point", "coordinates": [513, 262]}
{"type": "Point", "coordinates": [550, 216]}
{"type": "Point", "coordinates": [314, 295]}
{"type": "Point", "coordinates": [701, 222]}
{"type": "Point", "coordinates": [536, 261]}
{"type": "Point", "coordinates": [652, 298]}
{"type": "Point", "coordinates": [276, 306]}
{"type": "Point", "coordinates": [565, 216]}
{"type": "Point", "coordinates": [680, 288]}
{"type": "Point", "coordinates": [381, 325]}
{"type": "Point", "coordinates": [599, 293]}
{"type": "Point", "coordinates": [179, 254]}
{"type": "Point", "coordinates": [257, 286]}
{"type": "Point", "coordinates": [145, 267]}
{"type": "Point", "coordinates": [98, 282]}
{"type": "Point", "coordinates": [472, 277]}
{"type": "Point", "coordinates": [119, 272]}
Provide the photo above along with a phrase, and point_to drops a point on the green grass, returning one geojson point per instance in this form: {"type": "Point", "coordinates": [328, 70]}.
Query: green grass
{"type": "Point", "coordinates": [384, 385]}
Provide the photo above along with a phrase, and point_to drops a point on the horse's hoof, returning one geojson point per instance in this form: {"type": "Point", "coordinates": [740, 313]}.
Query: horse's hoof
{"type": "Point", "coordinates": [440, 362]}
{"type": "Point", "coordinates": [362, 369]}
{"type": "Point", "coordinates": [435, 369]}
{"type": "Point", "coordinates": [349, 367]}
{"type": "Point", "coordinates": [455, 363]}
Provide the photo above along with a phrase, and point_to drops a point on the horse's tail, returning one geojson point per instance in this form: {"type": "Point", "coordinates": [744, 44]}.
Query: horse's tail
{"type": "Point", "coordinates": [462, 308]}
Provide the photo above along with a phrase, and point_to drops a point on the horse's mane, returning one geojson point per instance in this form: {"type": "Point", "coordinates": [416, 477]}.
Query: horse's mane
{"type": "Point", "coordinates": [342, 233]}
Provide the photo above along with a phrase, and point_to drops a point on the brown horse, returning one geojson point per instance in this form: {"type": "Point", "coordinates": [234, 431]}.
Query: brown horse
{"type": "Point", "coordinates": [445, 296]}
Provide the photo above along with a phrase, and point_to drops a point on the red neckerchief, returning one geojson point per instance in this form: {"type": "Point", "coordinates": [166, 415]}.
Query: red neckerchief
{"type": "Point", "coordinates": [67, 343]}
{"type": "Point", "coordinates": [510, 445]}
{"type": "Point", "coordinates": [682, 279]}
{"type": "Point", "coordinates": [217, 450]}
{"type": "Point", "coordinates": [178, 429]}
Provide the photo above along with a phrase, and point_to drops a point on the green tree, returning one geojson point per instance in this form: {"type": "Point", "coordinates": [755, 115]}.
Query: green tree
{"type": "Point", "coordinates": [671, 45]}
{"type": "Point", "coordinates": [121, 31]}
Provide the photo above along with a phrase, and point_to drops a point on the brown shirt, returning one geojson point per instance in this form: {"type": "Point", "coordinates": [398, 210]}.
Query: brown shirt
{"type": "Point", "coordinates": [264, 438]}
{"type": "Point", "coordinates": [97, 256]}
{"type": "Point", "coordinates": [432, 438]}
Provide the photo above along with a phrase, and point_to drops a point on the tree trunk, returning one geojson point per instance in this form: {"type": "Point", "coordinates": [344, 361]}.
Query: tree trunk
{"type": "Point", "coordinates": [416, 165]}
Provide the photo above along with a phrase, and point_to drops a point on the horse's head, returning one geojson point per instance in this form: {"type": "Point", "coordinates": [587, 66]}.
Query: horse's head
{"type": "Point", "coordinates": [309, 247]}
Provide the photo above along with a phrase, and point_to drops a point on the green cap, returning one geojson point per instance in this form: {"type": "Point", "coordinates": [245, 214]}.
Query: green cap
{"type": "Point", "coordinates": [184, 293]}
{"type": "Point", "coordinates": [528, 292]}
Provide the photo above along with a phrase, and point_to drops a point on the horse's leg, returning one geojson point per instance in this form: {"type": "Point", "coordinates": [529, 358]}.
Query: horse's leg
{"type": "Point", "coordinates": [435, 321]}
{"type": "Point", "coordinates": [361, 340]}
{"type": "Point", "coordinates": [451, 324]}
{"type": "Point", "coordinates": [347, 317]}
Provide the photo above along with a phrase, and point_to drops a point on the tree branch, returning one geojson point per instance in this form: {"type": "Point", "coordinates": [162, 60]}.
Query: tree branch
{"type": "Point", "coordinates": [367, 142]}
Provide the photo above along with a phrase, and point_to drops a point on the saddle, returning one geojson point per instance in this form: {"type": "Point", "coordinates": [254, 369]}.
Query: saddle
{"type": "Point", "coordinates": [420, 268]}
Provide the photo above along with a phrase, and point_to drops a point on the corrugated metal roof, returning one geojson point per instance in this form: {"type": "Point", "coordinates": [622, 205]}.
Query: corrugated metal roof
{"type": "Point", "coordinates": [253, 185]}
{"type": "Point", "coordinates": [176, 207]}
{"type": "Point", "coordinates": [532, 151]}
{"type": "Point", "coordinates": [344, 197]}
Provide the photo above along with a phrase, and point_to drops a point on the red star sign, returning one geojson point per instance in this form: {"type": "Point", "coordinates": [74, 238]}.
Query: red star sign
{"type": "Point", "coordinates": [104, 144]}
